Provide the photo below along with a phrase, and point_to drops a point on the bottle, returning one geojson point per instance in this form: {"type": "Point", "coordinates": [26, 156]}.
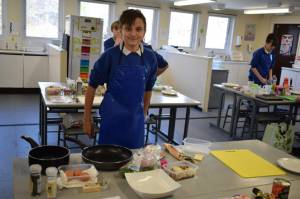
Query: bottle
{"type": "Point", "coordinates": [35, 179]}
{"type": "Point", "coordinates": [51, 186]}
{"type": "Point", "coordinates": [79, 85]}
{"type": "Point", "coordinates": [274, 82]}
{"type": "Point", "coordinates": [291, 84]}
{"type": "Point", "coordinates": [286, 89]}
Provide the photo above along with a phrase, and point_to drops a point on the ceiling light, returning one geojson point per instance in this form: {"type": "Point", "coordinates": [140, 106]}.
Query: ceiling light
{"type": "Point", "coordinates": [217, 6]}
{"type": "Point", "coordinates": [267, 11]}
{"type": "Point", "coordinates": [191, 2]}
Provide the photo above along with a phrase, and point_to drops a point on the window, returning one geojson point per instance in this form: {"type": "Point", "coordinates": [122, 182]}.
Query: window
{"type": "Point", "coordinates": [42, 18]}
{"type": "Point", "coordinates": [1, 16]}
{"type": "Point", "coordinates": [97, 10]}
{"type": "Point", "coordinates": [219, 32]}
{"type": "Point", "coordinates": [149, 14]}
{"type": "Point", "coordinates": [182, 29]}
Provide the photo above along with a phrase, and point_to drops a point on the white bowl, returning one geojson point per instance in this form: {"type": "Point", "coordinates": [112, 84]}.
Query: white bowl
{"type": "Point", "coordinates": [152, 184]}
{"type": "Point", "coordinates": [290, 164]}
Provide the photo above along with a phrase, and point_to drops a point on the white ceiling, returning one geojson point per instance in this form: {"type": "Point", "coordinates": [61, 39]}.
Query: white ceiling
{"type": "Point", "coordinates": [250, 4]}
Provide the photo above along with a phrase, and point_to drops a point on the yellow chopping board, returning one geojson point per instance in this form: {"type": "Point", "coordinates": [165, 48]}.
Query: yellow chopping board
{"type": "Point", "coordinates": [246, 163]}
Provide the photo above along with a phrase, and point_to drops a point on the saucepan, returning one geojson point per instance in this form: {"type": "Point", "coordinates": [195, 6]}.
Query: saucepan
{"type": "Point", "coordinates": [48, 155]}
{"type": "Point", "coordinates": [105, 157]}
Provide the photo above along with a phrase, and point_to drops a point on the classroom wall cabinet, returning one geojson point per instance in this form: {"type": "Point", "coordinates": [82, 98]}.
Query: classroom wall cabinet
{"type": "Point", "coordinates": [11, 71]}
{"type": "Point", "coordinates": [35, 70]}
{"type": "Point", "coordinates": [22, 71]}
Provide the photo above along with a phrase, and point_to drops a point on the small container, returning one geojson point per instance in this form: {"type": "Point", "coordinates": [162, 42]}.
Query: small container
{"type": "Point", "coordinates": [77, 175]}
{"type": "Point", "coordinates": [281, 188]}
{"type": "Point", "coordinates": [35, 179]}
{"type": "Point", "coordinates": [196, 145]}
{"type": "Point", "coordinates": [79, 86]}
{"type": "Point", "coordinates": [51, 186]}
{"type": "Point", "coordinates": [181, 170]}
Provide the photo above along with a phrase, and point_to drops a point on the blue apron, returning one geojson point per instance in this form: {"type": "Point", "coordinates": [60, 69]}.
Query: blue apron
{"type": "Point", "coordinates": [122, 109]}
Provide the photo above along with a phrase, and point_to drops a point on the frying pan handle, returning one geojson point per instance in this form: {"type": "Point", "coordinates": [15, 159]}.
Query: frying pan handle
{"type": "Point", "coordinates": [31, 141]}
{"type": "Point", "coordinates": [78, 142]}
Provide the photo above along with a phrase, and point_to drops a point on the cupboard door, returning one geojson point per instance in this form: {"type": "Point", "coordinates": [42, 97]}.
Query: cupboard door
{"type": "Point", "coordinates": [35, 70]}
{"type": "Point", "coordinates": [11, 71]}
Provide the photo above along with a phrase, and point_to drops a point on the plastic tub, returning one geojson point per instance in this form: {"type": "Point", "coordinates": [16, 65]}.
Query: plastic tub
{"type": "Point", "coordinates": [196, 145]}
{"type": "Point", "coordinates": [181, 170]}
{"type": "Point", "coordinates": [77, 175]}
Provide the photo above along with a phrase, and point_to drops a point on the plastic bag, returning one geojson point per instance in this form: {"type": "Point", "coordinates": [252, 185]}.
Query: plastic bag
{"type": "Point", "coordinates": [280, 135]}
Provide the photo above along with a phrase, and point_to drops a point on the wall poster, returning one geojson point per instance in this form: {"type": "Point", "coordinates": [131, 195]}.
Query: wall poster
{"type": "Point", "coordinates": [286, 44]}
{"type": "Point", "coordinates": [250, 31]}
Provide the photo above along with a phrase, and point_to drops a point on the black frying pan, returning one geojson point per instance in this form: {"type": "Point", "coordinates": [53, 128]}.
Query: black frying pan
{"type": "Point", "coordinates": [47, 156]}
{"type": "Point", "coordinates": [105, 157]}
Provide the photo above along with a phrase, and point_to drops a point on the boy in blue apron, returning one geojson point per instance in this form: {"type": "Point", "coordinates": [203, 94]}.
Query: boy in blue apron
{"type": "Point", "coordinates": [263, 62]}
{"type": "Point", "coordinates": [129, 70]}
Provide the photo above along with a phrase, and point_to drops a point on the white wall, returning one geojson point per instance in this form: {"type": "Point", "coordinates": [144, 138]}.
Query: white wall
{"type": "Point", "coordinates": [264, 23]}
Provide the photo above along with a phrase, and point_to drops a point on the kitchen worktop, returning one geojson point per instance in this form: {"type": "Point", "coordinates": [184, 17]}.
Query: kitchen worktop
{"type": "Point", "coordinates": [22, 52]}
{"type": "Point", "coordinates": [213, 179]}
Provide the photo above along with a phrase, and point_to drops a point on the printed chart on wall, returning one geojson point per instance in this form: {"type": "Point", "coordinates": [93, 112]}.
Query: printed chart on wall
{"type": "Point", "coordinates": [286, 44]}
{"type": "Point", "coordinates": [85, 57]}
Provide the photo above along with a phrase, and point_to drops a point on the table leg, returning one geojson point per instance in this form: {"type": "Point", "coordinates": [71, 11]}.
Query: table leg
{"type": "Point", "coordinates": [172, 120]}
{"type": "Point", "coordinates": [220, 109]}
{"type": "Point", "coordinates": [233, 115]}
{"type": "Point", "coordinates": [251, 129]}
{"type": "Point", "coordinates": [187, 121]}
{"type": "Point", "coordinates": [46, 125]}
{"type": "Point", "coordinates": [159, 116]}
{"type": "Point", "coordinates": [40, 118]}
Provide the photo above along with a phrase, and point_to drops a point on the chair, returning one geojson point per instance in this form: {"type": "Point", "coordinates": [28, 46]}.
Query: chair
{"type": "Point", "coordinates": [152, 120]}
{"type": "Point", "coordinates": [244, 111]}
{"type": "Point", "coordinates": [76, 131]}
{"type": "Point", "coordinates": [263, 118]}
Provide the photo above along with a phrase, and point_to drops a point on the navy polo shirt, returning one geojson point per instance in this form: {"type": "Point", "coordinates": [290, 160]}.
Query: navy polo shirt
{"type": "Point", "coordinates": [109, 43]}
{"type": "Point", "coordinates": [263, 62]}
{"type": "Point", "coordinates": [162, 63]}
{"type": "Point", "coordinates": [109, 60]}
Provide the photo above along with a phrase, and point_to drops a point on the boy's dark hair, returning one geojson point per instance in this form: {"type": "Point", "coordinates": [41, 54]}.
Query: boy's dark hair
{"type": "Point", "coordinates": [271, 39]}
{"type": "Point", "coordinates": [115, 25]}
{"type": "Point", "coordinates": [128, 17]}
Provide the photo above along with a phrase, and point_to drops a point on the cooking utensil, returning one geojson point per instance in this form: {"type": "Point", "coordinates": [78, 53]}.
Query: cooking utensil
{"type": "Point", "coordinates": [106, 157]}
{"type": "Point", "coordinates": [46, 156]}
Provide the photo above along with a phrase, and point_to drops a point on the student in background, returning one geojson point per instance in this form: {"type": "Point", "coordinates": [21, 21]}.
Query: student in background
{"type": "Point", "coordinates": [263, 61]}
{"type": "Point", "coordinates": [116, 38]}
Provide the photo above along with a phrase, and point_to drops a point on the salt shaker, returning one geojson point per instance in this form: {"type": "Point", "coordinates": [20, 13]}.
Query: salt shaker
{"type": "Point", "coordinates": [51, 186]}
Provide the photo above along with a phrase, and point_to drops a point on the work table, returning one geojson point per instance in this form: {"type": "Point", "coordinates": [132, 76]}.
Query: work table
{"type": "Point", "coordinates": [22, 52]}
{"type": "Point", "coordinates": [213, 179]}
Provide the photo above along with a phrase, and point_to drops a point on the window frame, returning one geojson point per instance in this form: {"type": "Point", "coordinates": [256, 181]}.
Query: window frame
{"type": "Point", "coordinates": [111, 15]}
{"type": "Point", "coordinates": [195, 24]}
{"type": "Point", "coordinates": [61, 20]}
{"type": "Point", "coordinates": [229, 34]}
{"type": "Point", "coordinates": [155, 24]}
{"type": "Point", "coordinates": [4, 19]}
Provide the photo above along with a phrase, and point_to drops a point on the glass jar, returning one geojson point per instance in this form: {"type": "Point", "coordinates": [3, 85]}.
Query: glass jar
{"type": "Point", "coordinates": [35, 179]}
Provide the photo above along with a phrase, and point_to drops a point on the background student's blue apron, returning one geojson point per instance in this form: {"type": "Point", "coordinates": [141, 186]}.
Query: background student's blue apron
{"type": "Point", "coordinates": [122, 109]}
